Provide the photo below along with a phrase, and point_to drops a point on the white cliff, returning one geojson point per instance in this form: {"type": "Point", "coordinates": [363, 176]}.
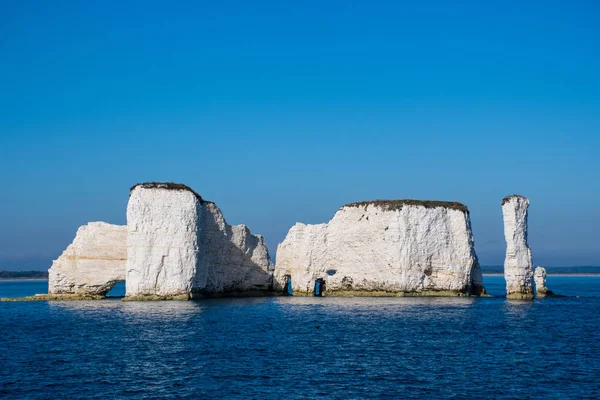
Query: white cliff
{"type": "Point", "coordinates": [162, 240]}
{"type": "Point", "coordinates": [518, 264]}
{"type": "Point", "coordinates": [180, 246]}
{"type": "Point", "coordinates": [540, 282]}
{"type": "Point", "coordinates": [93, 263]}
{"type": "Point", "coordinates": [400, 247]}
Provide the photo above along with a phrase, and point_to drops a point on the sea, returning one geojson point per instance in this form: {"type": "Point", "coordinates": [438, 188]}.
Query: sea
{"type": "Point", "coordinates": [304, 347]}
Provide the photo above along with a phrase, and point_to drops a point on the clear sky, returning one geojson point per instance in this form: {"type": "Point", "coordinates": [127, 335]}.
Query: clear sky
{"type": "Point", "coordinates": [283, 111]}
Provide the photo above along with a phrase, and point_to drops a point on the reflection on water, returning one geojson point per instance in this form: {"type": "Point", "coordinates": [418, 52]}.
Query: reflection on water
{"type": "Point", "coordinates": [146, 309]}
{"type": "Point", "coordinates": [377, 302]}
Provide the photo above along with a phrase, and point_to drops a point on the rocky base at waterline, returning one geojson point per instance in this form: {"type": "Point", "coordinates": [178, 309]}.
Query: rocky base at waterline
{"type": "Point", "coordinates": [56, 297]}
{"type": "Point", "coordinates": [519, 296]}
{"type": "Point", "coordinates": [203, 295]}
{"type": "Point", "coordinates": [382, 293]}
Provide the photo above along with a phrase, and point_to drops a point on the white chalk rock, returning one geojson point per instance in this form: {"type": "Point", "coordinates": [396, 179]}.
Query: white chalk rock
{"type": "Point", "coordinates": [401, 247]}
{"type": "Point", "coordinates": [540, 281]}
{"type": "Point", "coordinates": [180, 245]}
{"type": "Point", "coordinates": [518, 265]}
{"type": "Point", "coordinates": [233, 261]}
{"type": "Point", "coordinates": [162, 240]}
{"type": "Point", "coordinates": [93, 263]}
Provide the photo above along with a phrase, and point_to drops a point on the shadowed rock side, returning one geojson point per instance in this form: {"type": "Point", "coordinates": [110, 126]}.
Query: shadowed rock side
{"type": "Point", "coordinates": [232, 261]}
{"type": "Point", "coordinates": [179, 246]}
{"type": "Point", "coordinates": [518, 264]}
{"type": "Point", "coordinates": [391, 248]}
{"type": "Point", "coordinates": [92, 264]}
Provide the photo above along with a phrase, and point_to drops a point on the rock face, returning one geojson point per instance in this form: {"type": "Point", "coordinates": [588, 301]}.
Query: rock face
{"type": "Point", "coordinates": [398, 247]}
{"type": "Point", "coordinates": [163, 236]}
{"type": "Point", "coordinates": [233, 261]}
{"type": "Point", "coordinates": [540, 282]}
{"type": "Point", "coordinates": [93, 263]}
{"type": "Point", "coordinates": [518, 265]}
{"type": "Point", "coordinates": [180, 246]}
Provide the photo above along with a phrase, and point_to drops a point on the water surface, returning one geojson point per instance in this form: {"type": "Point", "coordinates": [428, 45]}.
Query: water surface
{"type": "Point", "coordinates": [341, 348]}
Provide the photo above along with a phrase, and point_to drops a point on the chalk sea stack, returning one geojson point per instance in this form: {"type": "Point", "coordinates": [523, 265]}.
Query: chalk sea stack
{"type": "Point", "coordinates": [179, 246]}
{"type": "Point", "coordinates": [518, 264]}
{"type": "Point", "coordinates": [92, 264]}
{"type": "Point", "coordinates": [540, 282]}
{"type": "Point", "coordinates": [383, 248]}
{"type": "Point", "coordinates": [163, 240]}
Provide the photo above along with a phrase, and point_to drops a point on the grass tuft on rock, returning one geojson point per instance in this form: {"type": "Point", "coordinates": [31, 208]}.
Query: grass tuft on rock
{"type": "Point", "coordinates": [393, 205]}
{"type": "Point", "coordinates": [168, 186]}
{"type": "Point", "coordinates": [512, 196]}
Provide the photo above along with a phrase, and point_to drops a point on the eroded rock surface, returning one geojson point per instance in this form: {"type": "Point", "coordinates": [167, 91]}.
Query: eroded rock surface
{"type": "Point", "coordinates": [180, 245]}
{"type": "Point", "coordinates": [401, 247]}
{"type": "Point", "coordinates": [163, 236]}
{"type": "Point", "coordinates": [518, 264]}
{"type": "Point", "coordinates": [93, 263]}
{"type": "Point", "coordinates": [540, 281]}
{"type": "Point", "coordinates": [233, 261]}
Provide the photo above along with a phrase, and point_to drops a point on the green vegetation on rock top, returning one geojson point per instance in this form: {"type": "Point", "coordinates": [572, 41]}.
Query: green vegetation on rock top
{"type": "Point", "coordinates": [392, 205]}
{"type": "Point", "coordinates": [168, 186]}
{"type": "Point", "coordinates": [517, 196]}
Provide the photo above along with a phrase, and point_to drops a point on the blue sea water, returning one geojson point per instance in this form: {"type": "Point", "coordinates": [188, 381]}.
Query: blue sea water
{"type": "Point", "coordinates": [304, 348]}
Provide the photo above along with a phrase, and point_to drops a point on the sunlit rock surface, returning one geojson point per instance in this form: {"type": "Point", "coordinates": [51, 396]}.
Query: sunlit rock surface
{"type": "Point", "coordinates": [518, 264]}
{"type": "Point", "coordinates": [163, 235]}
{"type": "Point", "coordinates": [540, 281]}
{"type": "Point", "coordinates": [399, 247]}
{"type": "Point", "coordinates": [180, 245]}
{"type": "Point", "coordinates": [93, 263]}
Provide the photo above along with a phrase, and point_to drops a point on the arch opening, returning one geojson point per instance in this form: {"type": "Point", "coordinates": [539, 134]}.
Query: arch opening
{"type": "Point", "coordinates": [287, 289]}
{"type": "Point", "coordinates": [319, 287]}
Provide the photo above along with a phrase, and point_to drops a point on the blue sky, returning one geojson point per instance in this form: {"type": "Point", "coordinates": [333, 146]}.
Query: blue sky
{"type": "Point", "coordinates": [282, 112]}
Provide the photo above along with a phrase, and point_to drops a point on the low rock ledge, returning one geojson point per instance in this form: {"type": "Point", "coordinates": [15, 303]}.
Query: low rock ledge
{"type": "Point", "coordinates": [55, 297]}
